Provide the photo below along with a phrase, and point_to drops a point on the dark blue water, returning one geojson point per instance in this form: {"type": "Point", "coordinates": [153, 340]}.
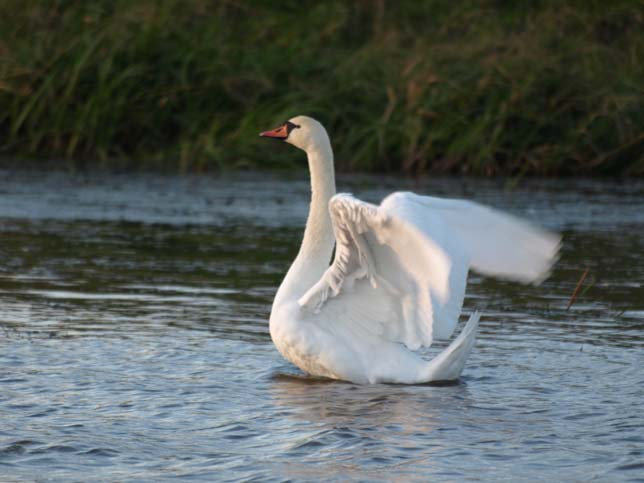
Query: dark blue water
{"type": "Point", "coordinates": [134, 342]}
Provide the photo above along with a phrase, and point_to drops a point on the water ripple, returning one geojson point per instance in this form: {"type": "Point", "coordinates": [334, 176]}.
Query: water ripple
{"type": "Point", "coordinates": [134, 343]}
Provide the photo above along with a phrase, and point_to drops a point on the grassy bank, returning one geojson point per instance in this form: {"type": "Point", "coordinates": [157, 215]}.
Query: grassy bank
{"type": "Point", "coordinates": [482, 87]}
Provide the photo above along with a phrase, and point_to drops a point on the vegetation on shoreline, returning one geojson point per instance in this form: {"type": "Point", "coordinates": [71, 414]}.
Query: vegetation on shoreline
{"type": "Point", "coordinates": [480, 86]}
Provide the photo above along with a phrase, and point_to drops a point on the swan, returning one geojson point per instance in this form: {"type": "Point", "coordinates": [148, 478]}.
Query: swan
{"type": "Point", "coordinates": [397, 280]}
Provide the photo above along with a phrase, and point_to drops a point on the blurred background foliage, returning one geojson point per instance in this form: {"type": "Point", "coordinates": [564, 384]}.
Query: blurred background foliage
{"type": "Point", "coordinates": [548, 87]}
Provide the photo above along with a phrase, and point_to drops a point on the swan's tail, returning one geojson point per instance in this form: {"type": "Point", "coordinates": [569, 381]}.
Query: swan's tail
{"type": "Point", "coordinates": [449, 364]}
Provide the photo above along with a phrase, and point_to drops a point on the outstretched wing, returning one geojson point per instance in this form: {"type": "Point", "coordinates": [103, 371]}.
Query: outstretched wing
{"type": "Point", "coordinates": [400, 269]}
{"type": "Point", "coordinates": [497, 244]}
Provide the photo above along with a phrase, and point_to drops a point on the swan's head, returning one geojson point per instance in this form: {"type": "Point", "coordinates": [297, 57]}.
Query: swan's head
{"type": "Point", "coordinates": [301, 131]}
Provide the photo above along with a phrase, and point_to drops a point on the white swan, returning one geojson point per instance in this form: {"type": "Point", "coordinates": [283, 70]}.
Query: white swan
{"type": "Point", "coordinates": [398, 277]}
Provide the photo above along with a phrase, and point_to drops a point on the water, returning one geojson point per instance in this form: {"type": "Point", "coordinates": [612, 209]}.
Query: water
{"type": "Point", "coordinates": [134, 342]}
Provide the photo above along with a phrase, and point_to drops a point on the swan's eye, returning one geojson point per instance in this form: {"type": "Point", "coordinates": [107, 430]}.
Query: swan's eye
{"type": "Point", "coordinates": [290, 126]}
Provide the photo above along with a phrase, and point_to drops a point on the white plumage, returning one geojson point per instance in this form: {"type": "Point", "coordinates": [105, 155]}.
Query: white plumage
{"type": "Point", "coordinates": [398, 277]}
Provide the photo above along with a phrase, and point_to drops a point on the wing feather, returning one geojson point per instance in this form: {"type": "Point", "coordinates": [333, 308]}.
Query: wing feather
{"type": "Point", "coordinates": [497, 244]}
{"type": "Point", "coordinates": [400, 269]}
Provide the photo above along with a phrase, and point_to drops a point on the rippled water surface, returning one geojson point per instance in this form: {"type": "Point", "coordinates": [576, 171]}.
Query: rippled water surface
{"type": "Point", "coordinates": [134, 342]}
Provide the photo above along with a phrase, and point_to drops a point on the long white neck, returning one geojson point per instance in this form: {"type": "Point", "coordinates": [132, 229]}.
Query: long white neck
{"type": "Point", "coordinates": [317, 245]}
{"type": "Point", "coordinates": [318, 236]}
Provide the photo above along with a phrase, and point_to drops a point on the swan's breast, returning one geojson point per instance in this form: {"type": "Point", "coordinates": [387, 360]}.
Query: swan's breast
{"type": "Point", "coordinates": [299, 340]}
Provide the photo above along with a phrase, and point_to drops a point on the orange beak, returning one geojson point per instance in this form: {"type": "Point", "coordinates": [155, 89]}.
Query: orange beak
{"type": "Point", "coordinates": [277, 133]}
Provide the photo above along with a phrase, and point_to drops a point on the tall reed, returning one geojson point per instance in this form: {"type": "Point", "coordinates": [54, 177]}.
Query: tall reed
{"type": "Point", "coordinates": [478, 86]}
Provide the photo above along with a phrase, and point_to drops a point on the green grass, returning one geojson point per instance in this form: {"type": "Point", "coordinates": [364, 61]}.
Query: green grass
{"type": "Point", "coordinates": [552, 87]}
